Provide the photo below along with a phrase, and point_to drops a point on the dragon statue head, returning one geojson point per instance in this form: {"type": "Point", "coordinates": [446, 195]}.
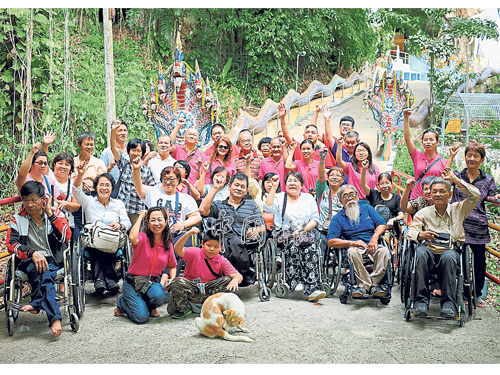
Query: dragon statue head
{"type": "Point", "coordinates": [179, 71]}
{"type": "Point", "coordinates": [197, 82]}
{"type": "Point", "coordinates": [208, 96]}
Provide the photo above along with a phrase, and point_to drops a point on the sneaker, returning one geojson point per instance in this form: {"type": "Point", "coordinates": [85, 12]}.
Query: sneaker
{"type": "Point", "coordinates": [377, 291]}
{"type": "Point", "coordinates": [360, 293]}
{"type": "Point", "coordinates": [448, 310]}
{"type": "Point", "coordinates": [99, 286]}
{"type": "Point", "coordinates": [316, 295]}
{"type": "Point", "coordinates": [421, 309]}
{"type": "Point", "coordinates": [299, 287]}
{"type": "Point", "coordinates": [180, 314]}
{"type": "Point", "coordinates": [113, 288]}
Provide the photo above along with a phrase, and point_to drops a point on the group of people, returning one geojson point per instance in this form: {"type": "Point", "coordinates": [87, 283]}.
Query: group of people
{"type": "Point", "coordinates": [323, 189]}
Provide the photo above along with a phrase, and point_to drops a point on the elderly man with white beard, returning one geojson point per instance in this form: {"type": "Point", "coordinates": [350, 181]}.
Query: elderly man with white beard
{"type": "Point", "coordinates": [360, 226]}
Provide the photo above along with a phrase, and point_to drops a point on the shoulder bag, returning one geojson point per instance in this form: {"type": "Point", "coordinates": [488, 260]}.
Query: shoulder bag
{"type": "Point", "coordinates": [101, 237]}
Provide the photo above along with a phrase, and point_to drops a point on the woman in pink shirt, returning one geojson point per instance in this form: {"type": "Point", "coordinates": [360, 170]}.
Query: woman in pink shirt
{"type": "Point", "coordinates": [221, 157]}
{"type": "Point", "coordinates": [307, 167]}
{"type": "Point", "coordinates": [428, 161]}
{"type": "Point", "coordinates": [361, 152]}
{"type": "Point", "coordinates": [144, 283]}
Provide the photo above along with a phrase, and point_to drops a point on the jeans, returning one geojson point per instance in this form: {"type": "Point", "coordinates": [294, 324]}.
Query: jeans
{"type": "Point", "coordinates": [43, 291]}
{"type": "Point", "coordinates": [446, 265]}
{"type": "Point", "coordinates": [137, 305]}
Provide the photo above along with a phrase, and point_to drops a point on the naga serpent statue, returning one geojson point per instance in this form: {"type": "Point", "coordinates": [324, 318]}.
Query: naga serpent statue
{"type": "Point", "coordinates": [185, 94]}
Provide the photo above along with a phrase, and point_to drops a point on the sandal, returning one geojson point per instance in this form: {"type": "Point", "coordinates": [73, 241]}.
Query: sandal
{"type": "Point", "coordinates": [481, 302]}
{"type": "Point", "coordinates": [154, 313]}
{"type": "Point", "coordinates": [118, 312]}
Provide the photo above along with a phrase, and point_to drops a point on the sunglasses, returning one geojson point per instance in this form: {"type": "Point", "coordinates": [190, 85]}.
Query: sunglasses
{"type": "Point", "coordinates": [222, 147]}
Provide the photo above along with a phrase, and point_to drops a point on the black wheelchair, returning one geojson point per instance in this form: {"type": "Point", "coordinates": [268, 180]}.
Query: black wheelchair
{"type": "Point", "coordinates": [69, 276]}
{"type": "Point", "coordinates": [466, 294]}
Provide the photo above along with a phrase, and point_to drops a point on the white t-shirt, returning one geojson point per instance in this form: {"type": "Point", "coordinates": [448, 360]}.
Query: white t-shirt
{"type": "Point", "coordinates": [156, 196]}
{"type": "Point", "coordinates": [63, 187]}
{"type": "Point", "coordinates": [157, 165]}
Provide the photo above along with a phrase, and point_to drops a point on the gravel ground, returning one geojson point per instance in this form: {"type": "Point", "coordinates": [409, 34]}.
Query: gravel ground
{"type": "Point", "coordinates": [289, 330]}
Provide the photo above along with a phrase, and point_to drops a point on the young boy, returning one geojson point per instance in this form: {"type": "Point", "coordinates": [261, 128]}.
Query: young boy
{"type": "Point", "coordinates": [206, 273]}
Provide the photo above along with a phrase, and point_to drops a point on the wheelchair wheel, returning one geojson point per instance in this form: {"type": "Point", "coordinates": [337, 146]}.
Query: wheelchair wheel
{"type": "Point", "coordinates": [282, 290]}
{"type": "Point", "coordinates": [407, 314]}
{"type": "Point", "coordinates": [385, 300]}
{"type": "Point", "coordinates": [343, 297]}
{"type": "Point", "coordinates": [265, 294]}
{"type": "Point", "coordinates": [78, 282]}
{"type": "Point", "coordinates": [469, 282]}
{"type": "Point", "coordinates": [10, 326]}
{"type": "Point", "coordinates": [269, 258]}
{"type": "Point", "coordinates": [332, 268]}
{"type": "Point", "coordinates": [325, 287]}
{"type": "Point", "coordinates": [74, 322]}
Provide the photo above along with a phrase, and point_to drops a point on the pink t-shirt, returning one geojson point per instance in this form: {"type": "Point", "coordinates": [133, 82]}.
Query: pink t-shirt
{"type": "Point", "coordinates": [420, 163]}
{"type": "Point", "coordinates": [231, 168]}
{"type": "Point", "coordinates": [144, 257]}
{"type": "Point", "coordinates": [309, 172]}
{"type": "Point", "coordinates": [196, 266]}
{"type": "Point", "coordinates": [330, 159]}
{"type": "Point", "coordinates": [268, 165]}
{"type": "Point", "coordinates": [52, 181]}
{"type": "Point", "coordinates": [355, 179]}
{"type": "Point", "coordinates": [181, 154]}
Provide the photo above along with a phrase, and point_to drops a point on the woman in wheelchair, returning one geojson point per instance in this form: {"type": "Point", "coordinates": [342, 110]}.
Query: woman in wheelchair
{"type": "Point", "coordinates": [144, 283]}
{"type": "Point", "coordinates": [38, 235]}
{"type": "Point", "coordinates": [112, 213]}
{"type": "Point", "coordinates": [301, 257]}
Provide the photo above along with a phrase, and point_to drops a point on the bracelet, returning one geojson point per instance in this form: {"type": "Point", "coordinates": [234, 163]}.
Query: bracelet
{"type": "Point", "coordinates": [197, 170]}
{"type": "Point", "coordinates": [322, 162]}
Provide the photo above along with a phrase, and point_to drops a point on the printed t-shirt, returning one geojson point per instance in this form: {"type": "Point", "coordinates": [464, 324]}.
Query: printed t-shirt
{"type": "Point", "coordinates": [156, 196]}
{"type": "Point", "coordinates": [196, 266]}
{"type": "Point", "coordinates": [375, 199]}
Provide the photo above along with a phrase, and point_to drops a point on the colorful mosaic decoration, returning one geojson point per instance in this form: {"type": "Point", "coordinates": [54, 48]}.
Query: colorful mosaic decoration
{"type": "Point", "coordinates": [181, 92]}
{"type": "Point", "coordinates": [387, 99]}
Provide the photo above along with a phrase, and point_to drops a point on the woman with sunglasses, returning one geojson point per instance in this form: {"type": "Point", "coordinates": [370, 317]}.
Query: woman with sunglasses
{"type": "Point", "coordinates": [34, 168]}
{"type": "Point", "coordinates": [221, 158]}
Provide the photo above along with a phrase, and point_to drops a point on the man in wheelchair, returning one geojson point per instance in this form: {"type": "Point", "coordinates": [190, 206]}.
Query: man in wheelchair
{"type": "Point", "coordinates": [38, 235]}
{"type": "Point", "coordinates": [439, 233]}
{"type": "Point", "coordinates": [360, 226]}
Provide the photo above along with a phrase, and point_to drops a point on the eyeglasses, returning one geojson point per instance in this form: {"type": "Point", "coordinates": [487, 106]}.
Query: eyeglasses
{"type": "Point", "coordinates": [180, 167]}
{"type": "Point", "coordinates": [41, 163]}
{"type": "Point", "coordinates": [27, 202]}
{"type": "Point", "coordinates": [171, 180]}
{"type": "Point", "coordinates": [348, 197]}
{"type": "Point", "coordinates": [222, 147]}
{"type": "Point", "coordinates": [345, 126]}
{"type": "Point", "coordinates": [104, 185]}
{"type": "Point", "coordinates": [245, 141]}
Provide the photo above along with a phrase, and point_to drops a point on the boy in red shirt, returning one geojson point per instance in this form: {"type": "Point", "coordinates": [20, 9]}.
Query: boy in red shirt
{"type": "Point", "coordinates": [206, 273]}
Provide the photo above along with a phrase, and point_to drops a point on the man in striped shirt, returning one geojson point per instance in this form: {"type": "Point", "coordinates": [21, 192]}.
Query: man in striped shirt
{"type": "Point", "coordinates": [245, 144]}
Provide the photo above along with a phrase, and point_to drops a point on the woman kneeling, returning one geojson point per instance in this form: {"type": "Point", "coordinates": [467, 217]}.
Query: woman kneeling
{"type": "Point", "coordinates": [144, 283]}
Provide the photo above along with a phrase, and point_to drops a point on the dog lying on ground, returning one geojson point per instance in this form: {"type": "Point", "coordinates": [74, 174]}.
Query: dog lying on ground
{"type": "Point", "coordinates": [220, 314]}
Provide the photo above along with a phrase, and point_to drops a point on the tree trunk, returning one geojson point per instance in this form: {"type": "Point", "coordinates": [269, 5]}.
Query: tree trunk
{"type": "Point", "coordinates": [110, 75]}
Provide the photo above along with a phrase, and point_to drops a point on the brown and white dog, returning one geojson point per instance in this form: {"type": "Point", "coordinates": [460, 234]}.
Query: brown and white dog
{"type": "Point", "coordinates": [221, 313]}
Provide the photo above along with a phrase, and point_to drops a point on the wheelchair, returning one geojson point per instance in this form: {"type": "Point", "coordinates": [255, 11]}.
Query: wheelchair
{"type": "Point", "coordinates": [466, 294]}
{"type": "Point", "coordinates": [73, 301]}
{"type": "Point", "coordinates": [349, 277]}
{"type": "Point", "coordinates": [331, 264]}
{"type": "Point", "coordinates": [123, 256]}
{"type": "Point", "coordinates": [282, 288]}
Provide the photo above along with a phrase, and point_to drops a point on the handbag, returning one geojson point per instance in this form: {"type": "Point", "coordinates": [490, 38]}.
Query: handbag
{"type": "Point", "coordinates": [304, 239]}
{"type": "Point", "coordinates": [101, 237]}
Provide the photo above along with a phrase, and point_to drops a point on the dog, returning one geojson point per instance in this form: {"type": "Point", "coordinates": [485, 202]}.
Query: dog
{"type": "Point", "coordinates": [220, 314]}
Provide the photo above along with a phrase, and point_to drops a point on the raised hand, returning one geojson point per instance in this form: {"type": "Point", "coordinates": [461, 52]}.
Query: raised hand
{"type": "Point", "coordinates": [322, 153]}
{"type": "Point", "coordinates": [319, 107]}
{"type": "Point", "coordinates": [410, 184]}
{"type": "Point", "coordinates": [406, 113]}
{"type": "Point", "coordinates": [194, 230]}
{"type": "Point", "coordinates": [136, 163]}
{"type": "Point", "coordinates": [454, 150]}
{"type": "Point", "coordinates": [82, 167]}
{"type": "Point", "coordinates": [248, 158]}
{"type": "Point", "coordinates": [327, 112]}
{"type": "Point", "coordinates": [206, 166]}
{"type": "Point", "coordinates": [142, 214]}
{"type": "Point", "coordinates": [47, 206]}
{"type": "Point", "coordinates": [281, 110]}
{"type": "Point", "coordinates": [219, 182]}
{"type": "Point", "coordinates": [180, 122]}
{"type": "Point", "coordinates": [275, 181]}
{"type": "Point", "coordinates": [35, 148]}
{"type": "Point", "coordinates": [340, 140]}
{"type": "Point", "coordinates": [199, 162]}
{"type": "Point", "coordinates": [49, 138]}
{"type": "Point", "coordinates": [112, 163]}
{"type": "Point", "coordinates": [293, 145]}
{"type": "Point", "coordinates": [365, 164]}
{"type": "Point", "coordinates": [448, 175]}
{"type": "Point", "coordinates": [115, 125]}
